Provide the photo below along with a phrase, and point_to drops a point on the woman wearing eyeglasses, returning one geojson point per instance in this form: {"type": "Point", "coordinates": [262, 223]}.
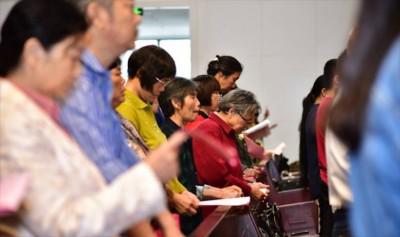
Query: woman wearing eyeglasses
{"type": "Point", "coordinates": [149, 69]}
{"type": "Point", "coordinates": [236, 111]}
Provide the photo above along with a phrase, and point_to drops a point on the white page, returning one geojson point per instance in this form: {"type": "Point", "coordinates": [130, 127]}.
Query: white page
{"type": "Point", "coordinates": [258, 127]}
{"type": "Point", "coordinates": [226, 202]}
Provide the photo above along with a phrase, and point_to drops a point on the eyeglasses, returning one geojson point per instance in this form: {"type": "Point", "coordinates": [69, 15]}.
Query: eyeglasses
{"type": "Point", "coordinates": [247, 120]}
{"type": "Point", "coordinates": [138, 11]}
{"type": "Point", "coordinates": [163, 81]}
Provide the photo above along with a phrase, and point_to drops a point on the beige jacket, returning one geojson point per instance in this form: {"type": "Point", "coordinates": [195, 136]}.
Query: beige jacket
{"type": "Point", "coordinates": [67, 195]}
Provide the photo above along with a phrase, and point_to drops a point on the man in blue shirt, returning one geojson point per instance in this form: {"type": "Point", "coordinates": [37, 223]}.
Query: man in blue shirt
{"type": "Point", "coordinates": [87, 113]}
{"type": "Point", "coordinates": [375, 166]}
{"type": "Point", "coordinates": [90, 119]}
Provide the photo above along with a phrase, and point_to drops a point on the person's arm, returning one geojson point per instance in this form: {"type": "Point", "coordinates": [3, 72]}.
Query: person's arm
{"type": "Point", "coordinates": [213, 169]}
{"type": "Point", "coordinates": [56, 207]}
{"type": "Point", "coordinates": [143, 228]}
{"type": "Point", "coordinates": [168, 224]}
{"type": "Point", "coordinates": [185, 202]}
{"type": "Point", "coordinates": [67, 195]}
{"type": "Point", "coordinates": [210, 192]}
{"type": "Point", "coordinates": [175, 186]}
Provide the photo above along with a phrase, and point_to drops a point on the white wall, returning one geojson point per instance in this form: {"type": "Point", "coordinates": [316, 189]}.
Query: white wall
{"type": "Point", "coordinates": [283, 45]}
{"type": "Point", "coordinates": [5, 6]}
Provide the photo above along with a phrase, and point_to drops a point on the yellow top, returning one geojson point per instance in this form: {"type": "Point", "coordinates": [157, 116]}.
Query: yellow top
{"type": "Point", "coordinates": [141, 116]}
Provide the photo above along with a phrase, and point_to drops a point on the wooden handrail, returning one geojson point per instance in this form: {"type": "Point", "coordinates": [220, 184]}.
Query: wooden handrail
{"type": "Point", "coordinates": [228, 221]}
{"type": "Point", "coordinates": [211, 222]}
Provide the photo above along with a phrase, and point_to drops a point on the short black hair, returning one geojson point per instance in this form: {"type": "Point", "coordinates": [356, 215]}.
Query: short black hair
{"type": "Point", "coordinates": [150, 62]}
{"type": "Point", "coordinates": [117, 63]}
{"type": "Point", "coordinates": [206, 86]}
{"type": "Point", "coordinates": [330, 67]}
{"type": "Point", "coordinates": [49, 21]}
{"type": "Point", "coordinates": [178, 89]}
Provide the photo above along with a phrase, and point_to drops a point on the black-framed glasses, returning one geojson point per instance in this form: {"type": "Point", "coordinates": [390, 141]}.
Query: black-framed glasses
{"type": "Point", "coordinates": [163, 81]}
{"type": "Point", "coordinates": [138, 11]}
{"type": "Point", "coordinates": [247, 120]}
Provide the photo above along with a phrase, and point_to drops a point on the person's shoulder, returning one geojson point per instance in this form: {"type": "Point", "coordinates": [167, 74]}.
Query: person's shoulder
{"type": "Point", "coordinates": [80, 95]}
{"type": "Point", "coordinates": [389, 71]}
{"type": "Point", "coordinates": [168, 128]}
{"type": "Point", "coordinates": [324, 105]}
{"type": "Point", "coordinates": [209, 126]}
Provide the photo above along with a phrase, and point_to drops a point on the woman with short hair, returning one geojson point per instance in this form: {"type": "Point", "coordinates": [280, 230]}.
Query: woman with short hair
{"type": "Point", "coordinates": [236, 111]}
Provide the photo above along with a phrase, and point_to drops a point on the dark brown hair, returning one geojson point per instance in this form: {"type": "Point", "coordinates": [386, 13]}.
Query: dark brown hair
{"type": "Point", "coordinates": [49, 21]}
{"type": "Point", "coordinates": [150, 62]}
{"type": "Point", "coordinates": [206, 86]}
{"type": "Point", "coordinates": [227, 65]}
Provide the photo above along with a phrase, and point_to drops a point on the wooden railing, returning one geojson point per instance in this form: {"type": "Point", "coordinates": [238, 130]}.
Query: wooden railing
{"type": "Point", "coordinates": [228, 221]}
{"type": "Point", "coordinates": [298, 216]}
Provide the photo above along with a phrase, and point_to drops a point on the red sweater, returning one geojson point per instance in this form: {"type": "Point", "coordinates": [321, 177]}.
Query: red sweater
{"type": "Point", "coordinates": [193, 125]}
{"type": "Point", "coordinates": [320, 127]}
{"type": "Point", "coordinates": [211, 168]}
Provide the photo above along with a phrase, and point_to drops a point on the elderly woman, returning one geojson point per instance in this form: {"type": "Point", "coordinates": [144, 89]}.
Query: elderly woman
{"type": "Point", "coordinates": [68, 196]}
{"type": "Point", "coordinates": [180, 106]}
{"type": "Point", "coordinates": [236, 110]}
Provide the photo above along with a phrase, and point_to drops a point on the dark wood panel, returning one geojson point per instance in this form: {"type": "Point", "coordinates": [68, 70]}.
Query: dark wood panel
{"type": "Point", "coordinates": [228, 221]}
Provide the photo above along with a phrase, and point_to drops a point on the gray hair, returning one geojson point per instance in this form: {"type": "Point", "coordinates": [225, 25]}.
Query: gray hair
{"type": "Point", "coordinates": [242, 101]}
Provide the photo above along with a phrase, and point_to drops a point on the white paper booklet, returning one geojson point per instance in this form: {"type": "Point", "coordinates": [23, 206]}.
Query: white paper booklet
{"type": "Point", "coordinates": [278, 150]}
{"type": "Point", "coordinates": [257, 127]}
{"type": "Point", "coordinates": [226, 202]}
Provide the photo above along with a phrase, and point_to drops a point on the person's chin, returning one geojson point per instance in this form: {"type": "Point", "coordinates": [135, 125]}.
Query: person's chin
{"type": "Point", "coordinates": [151, 98]}
{"type": "Point", "coordinates": [193, 117]}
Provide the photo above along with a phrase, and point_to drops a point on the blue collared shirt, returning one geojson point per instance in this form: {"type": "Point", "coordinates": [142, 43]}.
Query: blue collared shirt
{"type": "Point", "coordinates": [375, 167]}
{"type": "Point", "coordinates": [89, 118]}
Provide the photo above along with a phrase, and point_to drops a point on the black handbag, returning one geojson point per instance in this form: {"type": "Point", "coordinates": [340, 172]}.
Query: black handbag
{"type": "Point", "coordinates": [267, 218]}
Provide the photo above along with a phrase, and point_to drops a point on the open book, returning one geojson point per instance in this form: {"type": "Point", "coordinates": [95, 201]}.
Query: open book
{"type": "Point", "coordinates": [260, 130]}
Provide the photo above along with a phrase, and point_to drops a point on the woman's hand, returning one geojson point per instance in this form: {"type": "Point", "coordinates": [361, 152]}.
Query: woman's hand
{"type": "Point", "coordinates": [231, 192]}
{"type": "Point", "coordinates": [259, 190]}
{"type": "Point", "coordinates": [251, 174]}
{"type": "Point", "coordinates": [185, 203]}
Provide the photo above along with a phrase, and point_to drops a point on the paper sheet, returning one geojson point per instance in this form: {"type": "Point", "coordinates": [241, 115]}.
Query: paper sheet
{"type": "Point", "coordinates": [226, 202]}
{"type": "Point", "coordinates": [279, 149]}
{"type": "Point", "coordinates": [258, 127]}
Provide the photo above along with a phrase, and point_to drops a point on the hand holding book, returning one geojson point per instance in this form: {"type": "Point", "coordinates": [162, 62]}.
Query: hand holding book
{"type": "Point", "coordinates": [260, 130]}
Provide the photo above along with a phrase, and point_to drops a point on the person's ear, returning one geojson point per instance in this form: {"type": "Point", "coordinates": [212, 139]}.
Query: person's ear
{"type": "Point", "coordinates": [324, 92]}
{"type": "Point", "coordinates": [97, 15]}
{"type": "Point", "coordinates": [33, 53]}
{"type": "Point", "coordinates": [219, 76]}
{"type": "Point", "coordinates": [176, 103]}
{"type": "Point", "coordinates": [231, 111]}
